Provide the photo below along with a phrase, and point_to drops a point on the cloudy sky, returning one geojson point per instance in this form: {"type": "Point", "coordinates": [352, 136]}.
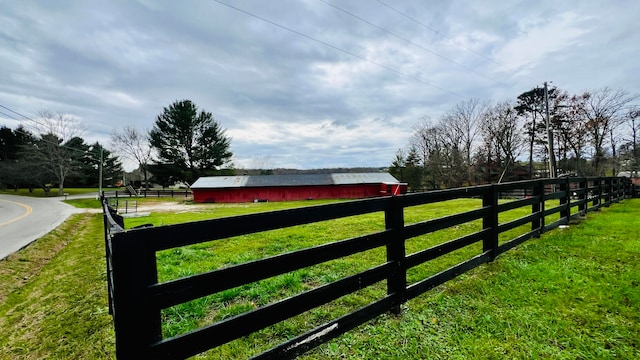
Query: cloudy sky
{"type": "Point", "coordinates": [303, 84]}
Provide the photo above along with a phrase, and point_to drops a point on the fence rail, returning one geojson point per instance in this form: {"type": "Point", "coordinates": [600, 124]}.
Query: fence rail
{"type": "Point", "coordinates": [147, 193]}
{"type": "Point", "coordinates": [136, 298]}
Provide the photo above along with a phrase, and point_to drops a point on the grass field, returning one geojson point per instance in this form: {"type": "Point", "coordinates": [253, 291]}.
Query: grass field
{"type": "Point", "coordinates": [573, 293]}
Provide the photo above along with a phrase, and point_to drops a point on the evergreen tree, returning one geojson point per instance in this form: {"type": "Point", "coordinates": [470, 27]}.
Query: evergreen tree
{"type": "Point", "coordinates": [189, 144]}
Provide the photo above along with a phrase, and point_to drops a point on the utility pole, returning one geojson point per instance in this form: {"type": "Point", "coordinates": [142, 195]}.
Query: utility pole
{"type": "Point", "coordinates": [100, 174]}
{"type": "Point", "coordinates": [552, 155]}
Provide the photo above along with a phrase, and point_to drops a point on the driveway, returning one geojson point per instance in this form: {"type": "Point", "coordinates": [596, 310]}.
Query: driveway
{"type": "Point", "coordinates": [24, 219]}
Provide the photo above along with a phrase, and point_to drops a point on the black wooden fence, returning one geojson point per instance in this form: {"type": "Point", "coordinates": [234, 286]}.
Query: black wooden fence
{"type": "Point", "coordinates": [136, 298]}
{"type": "Point", "coordinates": [148, 193]}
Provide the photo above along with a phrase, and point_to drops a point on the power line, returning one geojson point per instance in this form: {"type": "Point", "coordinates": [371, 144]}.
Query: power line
{"type": "Point", "coordinates": [33, 127]}
{"type": "Point", "coordinates": [15, 118]}
{"type": "Point", "coordinates": [413, 43]}
{"type": "Point", "coordinates": [15, 112]}
{"type": "Point", "coordinates": [436, 31]}
{"type": "Point", "coordinates": [45, 140]}
{"type": "Point", "coordinates": [9, 116]}
{"type": "Point", "coordinates": [388, 68]}
{"type": "Point", "coordinates": [440, 33]}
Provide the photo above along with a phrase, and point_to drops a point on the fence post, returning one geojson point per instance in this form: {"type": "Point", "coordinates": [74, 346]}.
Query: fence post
{"type": "Point", "coordinates": [107, 216]}
{"type": "Point", "coordinates": [490, 221]}
{"type": "Point", "coordinates": [584, 195]}
{"type": "Point", "coordinates": [538, 207]}
{"type": "Point", "coordinates": [134, 269]}
{"type": "Point", "coordinates": [597, 191]}
{"type": "Point", "coordinates": [565, 201]}
{"type": "Point", "coordinates": [607, 194]}
{"type": "Point", "coordinates": [396, 252]}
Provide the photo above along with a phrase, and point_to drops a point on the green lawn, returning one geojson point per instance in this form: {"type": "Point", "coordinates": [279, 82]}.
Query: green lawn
{"type": "Point", "coordinates": [573, 293]}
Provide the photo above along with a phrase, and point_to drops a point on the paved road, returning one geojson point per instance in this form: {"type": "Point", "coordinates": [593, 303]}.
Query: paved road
{"type": "Point", "coordinates": [24, 219]}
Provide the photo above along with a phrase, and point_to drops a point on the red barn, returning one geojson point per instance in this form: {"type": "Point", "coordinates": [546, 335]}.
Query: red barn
{"type": "Point", "coordinates": [233, 189]}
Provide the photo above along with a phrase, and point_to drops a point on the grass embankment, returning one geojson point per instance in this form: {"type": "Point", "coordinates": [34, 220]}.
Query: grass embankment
{"type": "Point", "coordinates": [571, 294]}
{"type": "Point", "coordinates": [53, 297]}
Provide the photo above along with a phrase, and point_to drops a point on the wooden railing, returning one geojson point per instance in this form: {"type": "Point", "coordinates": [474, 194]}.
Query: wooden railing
{"type": "Point", "coordinates": [137, 298]}
{"type": "Point", "coordinates": [147, 193]}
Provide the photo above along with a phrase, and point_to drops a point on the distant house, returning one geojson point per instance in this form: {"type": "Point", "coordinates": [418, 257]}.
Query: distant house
{"type": "Point", "coordinates": [253, 188]}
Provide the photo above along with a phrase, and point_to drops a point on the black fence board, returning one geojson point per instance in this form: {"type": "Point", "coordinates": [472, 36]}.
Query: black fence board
{"type": "Point", "coordinates": [555, 195]}
{"type": "Point", "coordinates": [518, 240]}
{"type": "Point", "coordinates": [434, 252]}
{"type": "Point", "coordinates": [517, 222]}
{"type": "Point", "coordinates": [578, 203]}
{"type": "Point", "coordinates": [224, 331]}
{"type": "Point", "coordinates": [516, 185]}
{"type": "Point", "coordinates": [326, 332]}
{"type": "Point", "coordinates": [181, 290]}
{"type": "Point", "coordinates": [172, 236]}
{"type": "Point", "coordinates": [136, 297]}
{"type": "Point", "coordinates": [442, 195]}
{"type": "Point", "coordinates": [517, 203]}
{"type": "Point", "coordinates": [555, 224]}
{"type": "Point", "coordinates": [432, 225]}
{"type": "Point", "coordinates": [440, 278]}
{"type": "Point", "coordinates": [552, 211]}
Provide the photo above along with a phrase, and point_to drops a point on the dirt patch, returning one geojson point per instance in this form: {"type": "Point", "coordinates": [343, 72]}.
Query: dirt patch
{"type": "Point", "coordinates": [167, 206]}
{"type": "Point", "coordinates": [170, 206]}
{"type": "Point", "coordinates": [164, 206]}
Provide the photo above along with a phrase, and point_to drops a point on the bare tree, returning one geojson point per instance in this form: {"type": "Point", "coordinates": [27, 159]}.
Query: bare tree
{"type": "Point", "coordinates": [442, 150]}
{"type": "Point", "coordinates": [502, 136]}
{"type": "Point", "coordinates": [423, 139]}
{"type": "Point", "coordinates": [465, 118]}
{"type": "Point", "coordinates": [264, 163]}
{"type": "Point", "coordinates": [53, 149]}
{"type": "Point", "coordinates": [614, 141]}
{"type": "Point", "coordinates": [64, 126]}
{"type": "Point", "coordinates": [630, 146]}
{"type": "Point", "coordinates": [570, 124]}
{"type": "Point", "coordinates": [426, 143]}
{"type": "Point", "coordinates": [452, 153]}
{"type": "Point", "coordinates": [133, 145]}
{"type": "Point", "coordinates": [604, 111]}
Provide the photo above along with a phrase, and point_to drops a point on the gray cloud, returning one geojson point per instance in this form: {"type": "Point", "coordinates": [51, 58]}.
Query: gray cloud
{"type": "Point", "coordinates": [330, 91]}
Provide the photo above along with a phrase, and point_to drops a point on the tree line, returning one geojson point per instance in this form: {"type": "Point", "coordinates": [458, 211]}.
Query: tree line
{"type": "Point", "coordinates": [480, 141]}
{"type": "Point", "coordinates": [51, 152]}
{"type": "Point", "coordinates": [474, 142]}
{"type": "Point", "coordinates": [183, 145]}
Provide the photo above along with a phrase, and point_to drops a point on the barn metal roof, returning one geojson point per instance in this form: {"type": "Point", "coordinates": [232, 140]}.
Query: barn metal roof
{"type": "Point", "coordinates": [211, 182]}
{"type": "Point", "coordinates": [363, 178]}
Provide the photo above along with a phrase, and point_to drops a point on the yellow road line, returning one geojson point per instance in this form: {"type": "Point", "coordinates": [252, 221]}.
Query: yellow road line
{"type": "Point", "coordinates": [28, 212]}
